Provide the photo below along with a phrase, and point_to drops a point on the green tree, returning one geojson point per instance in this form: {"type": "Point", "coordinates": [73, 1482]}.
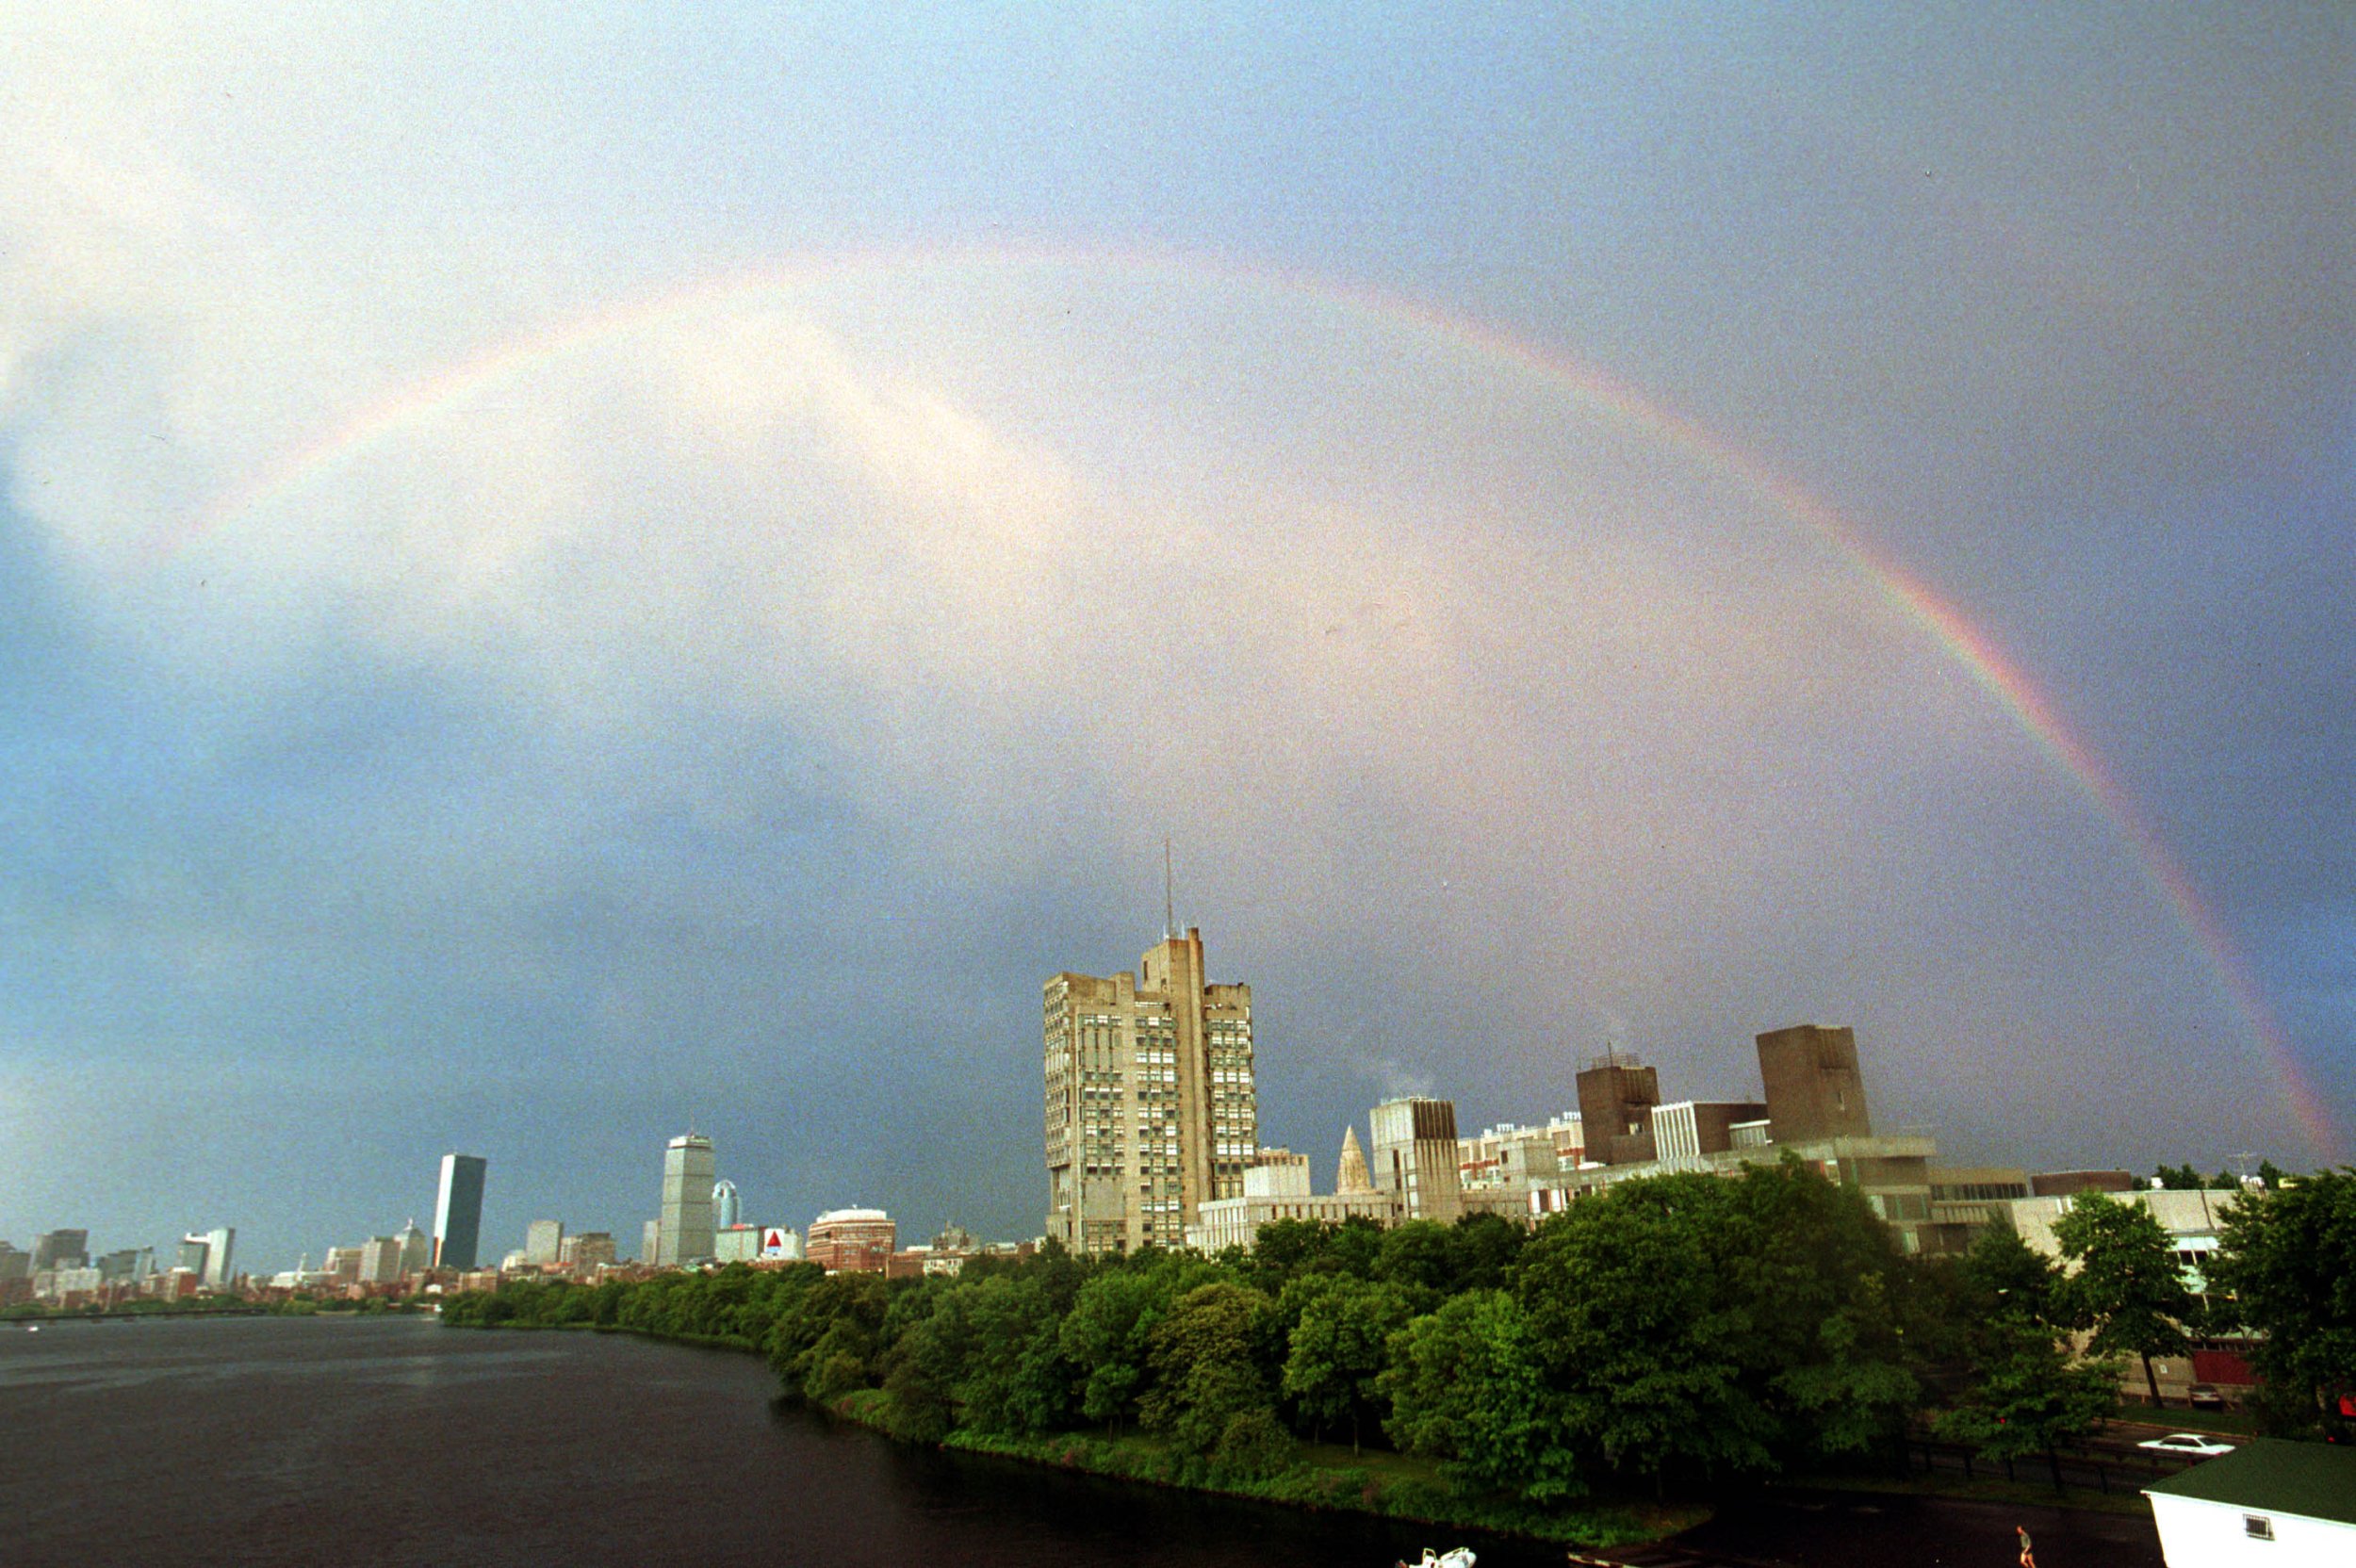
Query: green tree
{"type": "Point", "coordinates": [1339, 1347]}
{"type": "Point", "coordinates": [828, 1334]}
{"type": "Point", "coordinates": [1814, 1281]}
{"type": "Point", "coordinates": [1204, 1356]}
{"type": "Point", "coordinates": [2029, 1396]}
{"type": "Point", "coordinates": [1107, 1336]}
{"type": "Point", "coordinates": [1418, 1256]}
{"type": "Point", "coordinates": [1628, 1299]}
{"type": "Point", "coordinates": [1482, 1249]}
{"type": "Point", "coordinates": [2286, 1266]}
{"type": "Point", "coordinates": [2128, 1286]}
{"type": "Point", "coordinates": [1468, 1385]}
{"type": "Point", "coordinates": [2005, 1275]}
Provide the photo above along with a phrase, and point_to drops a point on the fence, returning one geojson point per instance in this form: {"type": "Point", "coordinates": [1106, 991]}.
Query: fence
{"type": "Point", "coordinates": [2124, 1471]}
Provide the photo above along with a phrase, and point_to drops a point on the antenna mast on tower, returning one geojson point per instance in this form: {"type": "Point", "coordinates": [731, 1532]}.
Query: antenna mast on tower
{"type": "Point", "coordinates": [1170, 894]}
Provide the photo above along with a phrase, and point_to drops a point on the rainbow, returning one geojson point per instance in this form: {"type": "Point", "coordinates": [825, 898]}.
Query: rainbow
{"type": "Point", "coordinates": [1970, 648]}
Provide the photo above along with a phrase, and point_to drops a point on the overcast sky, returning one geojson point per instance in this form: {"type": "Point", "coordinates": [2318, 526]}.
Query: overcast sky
{"type": "Point", "coordinates": [568, 573]}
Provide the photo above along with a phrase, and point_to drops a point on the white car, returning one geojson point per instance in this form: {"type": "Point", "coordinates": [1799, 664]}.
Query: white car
{"type": "Point", "coordinates": [2186, 1443]}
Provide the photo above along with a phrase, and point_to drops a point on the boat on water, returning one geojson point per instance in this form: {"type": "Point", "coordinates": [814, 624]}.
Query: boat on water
{"type": "Point", "coordinates": [1461, 1556]}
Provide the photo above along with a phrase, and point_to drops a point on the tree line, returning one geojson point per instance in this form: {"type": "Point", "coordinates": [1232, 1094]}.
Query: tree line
{"type": "Point", "coordinates": [1659, 1338]}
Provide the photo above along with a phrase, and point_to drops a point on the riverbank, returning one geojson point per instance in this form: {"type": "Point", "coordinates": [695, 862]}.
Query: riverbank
{"type": "Point", "coordinates": [1323, 1478]}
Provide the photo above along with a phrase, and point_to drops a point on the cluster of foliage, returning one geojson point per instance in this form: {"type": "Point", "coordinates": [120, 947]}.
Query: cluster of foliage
{"type": "Point", "coordinates": [2183, 1178]}
{"type": "Point", "coordinates": [2285, 1269]}
{"type": "Point", "coordinates": [1668, 1334]}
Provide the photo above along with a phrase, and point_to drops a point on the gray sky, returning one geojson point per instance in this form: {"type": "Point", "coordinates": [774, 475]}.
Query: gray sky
{"type": "Point", "coordinates": [571, 572]}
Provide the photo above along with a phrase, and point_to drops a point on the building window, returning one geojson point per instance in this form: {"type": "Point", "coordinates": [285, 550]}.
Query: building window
{"type": "Point", "coordinates": [2257, 1526]}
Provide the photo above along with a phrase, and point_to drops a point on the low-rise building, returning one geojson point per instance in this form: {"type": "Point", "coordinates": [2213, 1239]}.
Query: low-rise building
{"type": "Point", "coordinates": [2278, 1505]}
{"type": "Point", "coordinates": [2193, 1219]}
{"type": "Point", "coordinates": [1276, 1186]}
{"type": "Point", "coordinates": [585, 1250]}
{"type": "Point", "coordinates": [735, 1244]}
{"type": "Point", "coordinates": [1972, 1199]}
{"type": "Point", "coordinates": [853, 1241]}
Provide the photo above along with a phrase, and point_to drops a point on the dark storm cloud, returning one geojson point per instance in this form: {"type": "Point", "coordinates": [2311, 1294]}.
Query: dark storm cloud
{"type": "Point", "coordinates": [734, 715]}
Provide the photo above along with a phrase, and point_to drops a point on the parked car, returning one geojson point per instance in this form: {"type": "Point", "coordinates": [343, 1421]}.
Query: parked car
{"type": "Point", "coordinates": [2193, 1444]}
{"type": "Point", "coordinates": [2204, 1396]}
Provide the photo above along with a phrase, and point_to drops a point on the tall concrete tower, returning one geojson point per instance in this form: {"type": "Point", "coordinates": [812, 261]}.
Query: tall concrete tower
{"type": "Point", "coordinates": [685, 1236]}
{"type": "Point", "coordinates": [1616, 1100]}
{"type": "Point", "coordinates": [1152, 1109]}
{"type": "Point", "coordinates": [1416, 1157]}
{"type": "Point", "coordinates": [1813, 1090]}
{"type": "Point", "coordinates": [458, 1212]}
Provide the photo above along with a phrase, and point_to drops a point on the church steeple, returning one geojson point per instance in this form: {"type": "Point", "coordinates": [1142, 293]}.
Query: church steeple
{"type": "Point", "coordinates": [1352, 1177]}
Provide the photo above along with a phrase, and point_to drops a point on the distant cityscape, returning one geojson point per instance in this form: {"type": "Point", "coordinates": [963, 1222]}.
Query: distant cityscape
{"type": "Point", "coordinates": [1151, 1124]}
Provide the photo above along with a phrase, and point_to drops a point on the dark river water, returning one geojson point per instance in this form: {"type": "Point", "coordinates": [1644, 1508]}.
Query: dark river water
{"type": "Point", "coordinates": [342, 1441]}
{"type": "Point", "coordinates": [311, 1441]}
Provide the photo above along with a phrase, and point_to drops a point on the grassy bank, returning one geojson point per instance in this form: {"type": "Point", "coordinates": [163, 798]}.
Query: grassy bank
{"type": "Point", "coordinates": [1322, 1476]}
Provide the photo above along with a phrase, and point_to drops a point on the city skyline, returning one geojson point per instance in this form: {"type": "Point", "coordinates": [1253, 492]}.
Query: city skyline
{"type": "Point", "coordinates": [552, 592]}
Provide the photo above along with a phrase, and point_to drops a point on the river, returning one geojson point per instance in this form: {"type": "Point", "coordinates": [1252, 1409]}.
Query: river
{"type": "Point", "coordinates": [369, 1441]}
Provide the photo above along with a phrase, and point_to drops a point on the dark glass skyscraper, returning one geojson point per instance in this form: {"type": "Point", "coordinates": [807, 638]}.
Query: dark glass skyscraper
{"type": "Point", "coordinates": [458, 1212]}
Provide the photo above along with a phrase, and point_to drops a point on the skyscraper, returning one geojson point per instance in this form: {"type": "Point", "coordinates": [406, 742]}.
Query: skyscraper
{"type": "Point", "coordinates": [686, 1232]}
{"type": "Point", "coordinates": [458, 1212]}
{"type": "Point", "coordinates": [725, 1205]}
{"type": "Point", "coordinates": [60, 1249]}
{"type": "Point", "coordinates": [1149, 1099]}
{"type": "Point", "coordinates": [194, 1250]}
{"type": "Point", "coordinates": [417, 1248]}
{"type": "Point", "coordinates": [220, 1242]}
{"type": "Point", "coordinates": [544, 1241]}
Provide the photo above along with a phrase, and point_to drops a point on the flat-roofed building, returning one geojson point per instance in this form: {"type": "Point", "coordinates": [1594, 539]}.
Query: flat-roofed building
{"type": "Point", "coordinates": [736, 1243]}
{"type": "Point", "coordinates": [1683, 1130]}
{"type": "Point", "coordinates": [1814, 1087]}
{"type": "Point", "coordinates": [2069, 1183]}
{"type": "Point", "coordinates": [1152, 1108]}
{"type": "Point", "coordinates": [60, 1249]}
{"type": "Point", "coordinates": [685, 1234]}
{"type": "Point", "coordinates": [380, 1261]}
{"type": "Point", "coordinates": [852, 1241]}
{"type": "Point", "coordinates": [1276, 1186]}
{"type": "Point", "coordinates": [2194, 1220]}
{"type": "Point", "coordinates": [1616, 1100]}
{"type": "Point", "coordinates": [586, 1250]}
{"type": "Point", "coordinates": [1970, 1199]}
{"type": "Point", "coordinates": [1416, 1157]}
{"type": "Point", "coordinates": [543, 1242]}
{"type": "Point", "coordinates": [220, 1248]}
{"type": "Point", "coordinates": [458, 1212]}
{"type": "Point", "coordinates": [194, 1251]}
